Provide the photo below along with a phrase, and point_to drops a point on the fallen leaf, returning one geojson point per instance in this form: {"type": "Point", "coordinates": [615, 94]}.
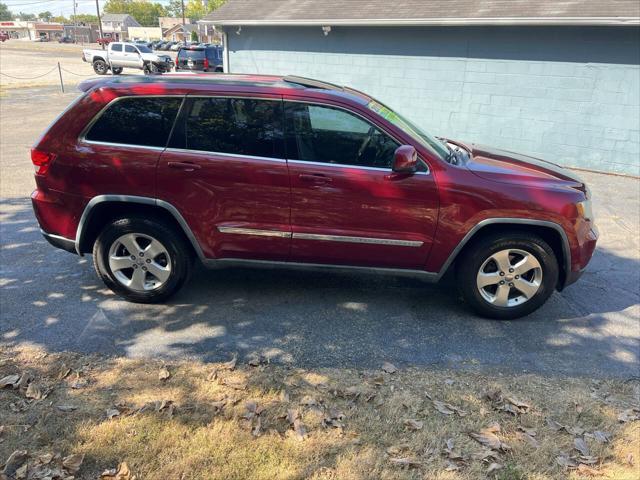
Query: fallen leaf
{"type": "Point", "coordinates": [494, 467]}
{"type": "Point", "coordinates": [601, 437]}
{"type": "Point", "coordinates": [164, 374]}
{"type": "Point", "coordinates": [529, 439]}
{"type": "Point", "coordinates": [448, 409]}
{"type": "Point", "coordinates": [589, 471]}
{"type": "Point", "coordinates": [113, 412]}
{"type": "Point", "coordinates": [588, 459]}
{"type": "Point", "coordinates": [564, 461]}
{"type": "Point", "coordinates": [630, 460]}
{"type": "Point", "coordinates": [45, 458]}
{"type": "Point", "coordinates": [66, 408]}
{"type": "Point", "coordinates": [63, 372]}
{"type": "Point", "coordinates": [580, 445]}
{"type": "Point", "coordinates": [121, 473]}
{"type": "Point", "coordinates": [10, 381]}
{"type": "Point", "coordinates": [515, 406]}
{"type": "Point", "coordinates": [34, 392]}
{"type": "Point", "coordinates": [283, 396]}
{"type": "Point", "coordinates": [529, 431]}
{"type": "Point", "coordinates": [488, 438]}
{"type": "Point", "coordinates": [231, 364]}
{"type": "Point", "coordinates": [494, 396]}
{"type": "Point", "coordinates": [395, 450]}
{"type": "Point", "coordinates": [14, 462]}
{"type": "Point", "coordinates": [452, 467]}
{"type": "Point", "coordinates": [408, 462]}
{"type": "Point", "coordinates": [73, 462]}
{"type": "Point", "coordinates": [213, 375]}
{"type": "Point", "coordinates": [21, 473]}
{"type": "Point", "coordinates": [389, 367]}
{"type": "Point", "coordinates": [308, 401]}
{"type": "Point", "coordinates": [413, 425]}
{"type": "Point", "coordinates": [629, 415]}
{"type": "Point", "coordinates": [257, 360]}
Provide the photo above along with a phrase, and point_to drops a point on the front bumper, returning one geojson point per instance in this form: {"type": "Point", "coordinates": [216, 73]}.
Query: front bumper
{"type": "Point", "coordinates": [586, 246]}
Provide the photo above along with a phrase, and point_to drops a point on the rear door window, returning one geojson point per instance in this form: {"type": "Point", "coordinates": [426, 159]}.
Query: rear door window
{"type": "Point", "coordinates": [236, 126]}
{"type": "Point", "coordinates": [144, 121]}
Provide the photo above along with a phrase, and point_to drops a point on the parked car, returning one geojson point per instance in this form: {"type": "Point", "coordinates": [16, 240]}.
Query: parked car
{"type": "Point", "coordinates": [155, 45]}
{"type": "Point", "coordinates": [168, 45]}
{"type": "Point", "coordinates": [150, 174]}
{"type": "Point", "coordinates": [127, 55]}
{"type": "Point", "coordinates": [202, 59]}
{"type": "Point", "coordinates": [66, 39]}
{"type": "Point", "coordinates": [104, 41]}
{"type": "Point", "coordinates": [176, 46]}
{"type": "Point", "coordinates": [4, 36]}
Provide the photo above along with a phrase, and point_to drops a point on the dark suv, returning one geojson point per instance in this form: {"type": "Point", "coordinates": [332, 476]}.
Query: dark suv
{"type": "Point", "coordinates": [200, 59]}
{"type": "Point", "coordinates": [152, 173]}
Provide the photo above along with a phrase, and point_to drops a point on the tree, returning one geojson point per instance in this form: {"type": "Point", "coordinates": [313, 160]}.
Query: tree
{"type": "Point", "coordinates": [196, 9]}
{"type": "Point", "coordinates": [145, 12]}
{"type": "Point", "coordinates": [46, 16]}
{"type": "Point", "coordinates": [84, 18]}
{"type": "Point", "coordinates": [5, 13]}
{"type": "Point", "coordinates": [194, 36]}
{"type": "Point", "coordinates": [26, 17]}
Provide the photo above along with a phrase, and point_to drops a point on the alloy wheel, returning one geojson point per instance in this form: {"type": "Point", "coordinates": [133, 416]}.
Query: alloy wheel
{"type": "Point", "coordinates": [509, 278]}
{"type": "Point", "coordinates": [139, 262]}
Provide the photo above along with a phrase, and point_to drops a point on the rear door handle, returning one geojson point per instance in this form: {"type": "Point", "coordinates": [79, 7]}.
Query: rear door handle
{"type": "Point", "coordinates": [316, 179]}
{"type": "Point", "coordinates": [186, 166]}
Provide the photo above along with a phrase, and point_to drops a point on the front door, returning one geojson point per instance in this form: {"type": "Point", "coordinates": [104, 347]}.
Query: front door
{"type": "Point", "coordinates": [225, 172]}
{"type": "Point", "coordinates": [347, 206]}
{"type": "Point", "coordinates": [131, 56]}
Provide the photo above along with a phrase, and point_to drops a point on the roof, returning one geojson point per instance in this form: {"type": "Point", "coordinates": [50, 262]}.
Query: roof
{"type": "Point", "coordinates": [426, 12]}
{"type": "Point", "coordinates": [114, 17]}
{"type": "Point", "coordinates": [188, 80]}
{"type": "Point", "coordinates": [188, 28]}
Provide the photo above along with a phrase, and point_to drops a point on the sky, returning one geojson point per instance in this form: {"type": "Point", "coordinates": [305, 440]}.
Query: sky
{"type": "Point", "coordinates": [58, 7]}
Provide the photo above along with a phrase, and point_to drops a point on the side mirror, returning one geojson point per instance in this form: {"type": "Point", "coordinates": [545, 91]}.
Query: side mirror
{"type": "Point", "coordinates": [405, 159]}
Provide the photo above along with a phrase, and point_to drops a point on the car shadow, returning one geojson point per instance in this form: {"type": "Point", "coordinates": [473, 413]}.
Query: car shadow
{"type": "Point", "coordinates": [54, 299]}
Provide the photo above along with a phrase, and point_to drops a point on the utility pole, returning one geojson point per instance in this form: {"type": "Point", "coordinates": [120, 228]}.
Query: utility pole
{"type": "Point", "coordinates": [99, 22]}
{"type": "Point", "coordinates": [182, 1]}
{"type": "Point", "coordinates": [75, 23]}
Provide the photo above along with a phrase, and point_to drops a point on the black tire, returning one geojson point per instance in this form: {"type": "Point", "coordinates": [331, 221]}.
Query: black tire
{"type": "Point", "coordinates": [179, 253]}
{"type": "Point", "coordinates": [100, 67]}
{"type": "Point", "coordinates": [148, 69]}
{"type": "Point", "coordinates": [116, 70]}
{"type": "Point", "coordinates": [475, 256]}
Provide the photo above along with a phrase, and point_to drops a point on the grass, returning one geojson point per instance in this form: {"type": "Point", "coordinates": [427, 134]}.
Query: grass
{"type": "Point", "coordinates": [355, 421]}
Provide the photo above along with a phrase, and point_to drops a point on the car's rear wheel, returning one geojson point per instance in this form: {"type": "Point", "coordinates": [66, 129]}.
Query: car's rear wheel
{"type": "Point", "coordinates": [507, 276]}
{"type": "Point", "coordinates": [142, 260]}
{"type": "Point", "coordinates": [100, 67]}
{"type": "Point", "coordinates": [116, 70]}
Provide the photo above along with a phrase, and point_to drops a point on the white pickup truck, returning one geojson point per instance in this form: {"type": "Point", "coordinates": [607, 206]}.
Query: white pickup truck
{"type": "Point", "coordinates": [127, 55]}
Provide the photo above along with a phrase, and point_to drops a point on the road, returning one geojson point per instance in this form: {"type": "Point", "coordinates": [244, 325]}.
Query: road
{"type": "Point", "coordinates": [53, 299]}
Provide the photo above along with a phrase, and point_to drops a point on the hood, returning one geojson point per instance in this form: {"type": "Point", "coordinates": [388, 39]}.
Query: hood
{"type": "Point", "coordinates": [509, 167]}
{"type": "Point", "coordinates": [154, 57]}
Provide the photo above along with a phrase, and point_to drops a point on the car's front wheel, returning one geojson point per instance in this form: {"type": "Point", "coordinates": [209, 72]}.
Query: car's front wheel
{"type": "Point", "coordinates": [507, 276]}
{"type": "Point", "coordinates": [142, 260]}
{"type": "Point", "coordinates": [116, 70]}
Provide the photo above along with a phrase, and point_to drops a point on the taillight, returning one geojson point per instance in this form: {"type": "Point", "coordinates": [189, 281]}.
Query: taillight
{"type": "Point", "coordinates": [206, 63]}
{"type": "Point", "coordinates": [41, 160]}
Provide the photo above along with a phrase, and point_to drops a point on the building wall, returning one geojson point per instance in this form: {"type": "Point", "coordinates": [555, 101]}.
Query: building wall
{"type": "Point", "coordinates": [145, 33]}
{"type": "Point", "coordinates": [566, 94]}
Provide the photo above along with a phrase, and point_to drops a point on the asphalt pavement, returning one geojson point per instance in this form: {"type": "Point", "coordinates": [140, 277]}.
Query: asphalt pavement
{"type": "Point", "coordinates": [52, 298]}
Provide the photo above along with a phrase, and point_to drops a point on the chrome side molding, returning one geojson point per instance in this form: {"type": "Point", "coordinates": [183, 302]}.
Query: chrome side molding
{"type": "Point", "coordinates": [325, 238]}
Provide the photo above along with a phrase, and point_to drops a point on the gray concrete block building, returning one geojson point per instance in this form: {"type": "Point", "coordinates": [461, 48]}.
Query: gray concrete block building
{"type": "Point", "coordinates": [557, 80]}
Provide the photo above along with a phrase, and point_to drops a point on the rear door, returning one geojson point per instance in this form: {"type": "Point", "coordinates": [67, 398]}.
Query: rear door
{"type": "Point", "coordinates": [116, 54]}
{"type": "Point", "coordinates": [131, 56]}
{"type": "Point", "coordinates": [347, 206]}
{"type": "Point", "coordinates": [226, 173]}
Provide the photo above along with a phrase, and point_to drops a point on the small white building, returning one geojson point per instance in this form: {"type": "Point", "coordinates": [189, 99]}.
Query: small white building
{"type": "Point", "coordinates": [15, 29]}
{"type": "Point", "coordinates": [116, 25]}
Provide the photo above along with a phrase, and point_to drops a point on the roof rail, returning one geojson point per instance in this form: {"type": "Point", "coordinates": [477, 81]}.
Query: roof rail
{"type": "Point", "coordinates": [309, 82]}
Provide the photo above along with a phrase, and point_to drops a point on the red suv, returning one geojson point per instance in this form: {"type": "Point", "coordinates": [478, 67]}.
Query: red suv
{"type": "Point", "coordinates": [152, 173]}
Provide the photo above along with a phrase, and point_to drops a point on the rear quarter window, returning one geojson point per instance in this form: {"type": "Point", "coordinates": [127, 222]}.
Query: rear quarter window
{"type": "Point", "coordinates": [143, 121]}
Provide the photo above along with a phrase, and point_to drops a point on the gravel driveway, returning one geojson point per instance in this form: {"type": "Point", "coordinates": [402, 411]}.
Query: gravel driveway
{"type": "Point", "coordinates": [52, 298]}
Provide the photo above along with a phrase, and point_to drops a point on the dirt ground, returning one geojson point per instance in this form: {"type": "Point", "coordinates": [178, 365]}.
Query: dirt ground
{"type": "Point", "coordinates": [192, 420]}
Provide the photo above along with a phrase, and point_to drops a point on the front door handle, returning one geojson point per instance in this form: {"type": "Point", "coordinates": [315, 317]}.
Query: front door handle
{"type": "Point", "coordinates": [316, 178]}
{"type": "Point", "coordinates": [186, 166]}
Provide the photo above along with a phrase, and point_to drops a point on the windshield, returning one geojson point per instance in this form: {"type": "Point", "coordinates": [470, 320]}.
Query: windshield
{"type": "Point", "coordinates": [431, 142]}
{"type": "Point", "coordinates": [195, 54]}
{"type": "Point", "coordinates": [144, 49]}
